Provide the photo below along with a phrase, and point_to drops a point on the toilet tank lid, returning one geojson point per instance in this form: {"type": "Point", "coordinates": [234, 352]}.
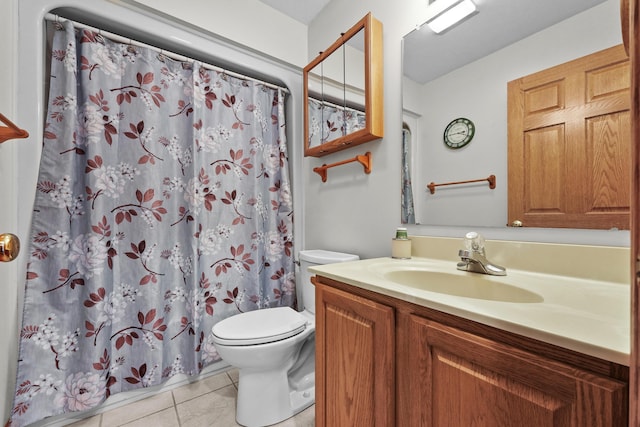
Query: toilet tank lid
{"type": "Point", "coordinates": [319, 256]}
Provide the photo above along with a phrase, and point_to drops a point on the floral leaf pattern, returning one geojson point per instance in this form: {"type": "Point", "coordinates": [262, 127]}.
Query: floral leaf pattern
{"type": "Point", "coordinates": [329, 121]}
{"type": "Point", "coordinates": [163, 206]}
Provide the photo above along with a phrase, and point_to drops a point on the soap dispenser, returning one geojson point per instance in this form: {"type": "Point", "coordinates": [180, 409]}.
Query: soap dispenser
{"type": "Point", "coordinates": [401, 244]}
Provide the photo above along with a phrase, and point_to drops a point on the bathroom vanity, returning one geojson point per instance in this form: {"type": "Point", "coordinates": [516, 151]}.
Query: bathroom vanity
{"type": "Point", "coordinates": [395, 352]}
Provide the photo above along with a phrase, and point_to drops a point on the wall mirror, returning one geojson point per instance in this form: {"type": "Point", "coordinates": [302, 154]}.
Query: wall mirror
{"type": "Point", "coordinates": [463, 73]}
{"type": "Point", "coordinates": [343, 91]}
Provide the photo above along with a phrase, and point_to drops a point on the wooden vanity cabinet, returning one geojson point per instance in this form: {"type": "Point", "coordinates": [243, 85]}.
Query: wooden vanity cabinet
{"type": "Point", "coordinates": [467, 380]}
{"type": "Point", "coordinates": [354, 360]}
{"type": "Point", "coordinates": [381, 361]}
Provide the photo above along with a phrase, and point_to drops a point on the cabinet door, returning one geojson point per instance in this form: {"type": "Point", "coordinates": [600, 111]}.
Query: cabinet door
{"type": "Point", "coordinates": [462, 380]}
{"type": "Point", "coordinates": [354, 360]}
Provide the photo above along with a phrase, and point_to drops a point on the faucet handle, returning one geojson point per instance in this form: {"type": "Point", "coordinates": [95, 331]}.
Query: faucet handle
{"type": "Point", "coordinates": [474, 241]}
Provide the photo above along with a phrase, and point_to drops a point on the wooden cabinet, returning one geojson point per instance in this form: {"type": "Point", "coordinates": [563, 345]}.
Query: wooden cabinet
{"type": "Point", "coordinates": [385, 362]}
{"type": "Point", "coordinates": [466, 380]}
{"type": "Point", "coordinates": [354, 360]}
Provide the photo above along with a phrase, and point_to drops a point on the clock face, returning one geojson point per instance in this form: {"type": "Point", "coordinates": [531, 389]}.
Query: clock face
{"type": "Point", "coordinates": [459, 133]}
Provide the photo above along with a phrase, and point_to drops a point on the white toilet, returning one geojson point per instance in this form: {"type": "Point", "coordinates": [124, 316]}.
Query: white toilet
{"type": "Point", "coordinates": [274, 351]}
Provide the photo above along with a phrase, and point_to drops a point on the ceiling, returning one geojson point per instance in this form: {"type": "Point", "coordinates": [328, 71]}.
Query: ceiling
{"type": "Point", "coordinates": [498, 23]}
{"type": "Point", "coordinates": [300, 10]}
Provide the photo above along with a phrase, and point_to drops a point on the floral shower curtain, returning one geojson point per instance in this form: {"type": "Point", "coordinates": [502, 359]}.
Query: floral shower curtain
{"type": "Point", "coordinates": [163, 206]}
{"type": "Point", "coordinates": [407, 210]}
{"type": "Point", "coordinates": [329, 121]}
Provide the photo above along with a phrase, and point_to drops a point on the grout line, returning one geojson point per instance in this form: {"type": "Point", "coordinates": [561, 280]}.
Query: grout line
{"type": "Point", "coordinates": [175, 409]}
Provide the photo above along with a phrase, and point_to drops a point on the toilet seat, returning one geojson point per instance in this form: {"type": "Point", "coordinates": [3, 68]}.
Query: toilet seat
{"type": "Point", "coordinates": [259, 327]}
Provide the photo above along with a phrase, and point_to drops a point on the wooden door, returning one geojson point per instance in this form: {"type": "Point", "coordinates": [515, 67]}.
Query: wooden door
{"type": "Point", "coordinates": [569, 144]}
{"type": "Point", "coordinates": [354, 360]}
{"type": "Point", "coordinates": [462, 380]}
{"type": "Point", "coordinates": [630, 16]}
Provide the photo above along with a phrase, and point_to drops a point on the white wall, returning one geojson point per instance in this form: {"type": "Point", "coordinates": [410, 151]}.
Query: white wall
{"type": "Point", "coordinates": [354, 212]}
{"type": "Point", "coordinates": [8, 211]}
{"type": "Point", "coordinates": [247, 22]}
{"type": "Point", "coordinates": [358, 213]}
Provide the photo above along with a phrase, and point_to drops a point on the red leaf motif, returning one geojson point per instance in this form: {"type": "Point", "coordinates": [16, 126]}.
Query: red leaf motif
{"type": "Point", "coordinates": [148, 195]}
{"type": "Point", "coordinates": [119, 342]}
{"type": "Point", "coordinates": [148, 78]}
{"type": "Point", "coordinates": [29, 331]}
{"type": "Point", "coordinates": [150, 316]}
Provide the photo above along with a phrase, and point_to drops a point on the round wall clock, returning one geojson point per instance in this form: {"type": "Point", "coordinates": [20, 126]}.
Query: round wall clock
{"type": "Point", "coordinates": [459, 133]}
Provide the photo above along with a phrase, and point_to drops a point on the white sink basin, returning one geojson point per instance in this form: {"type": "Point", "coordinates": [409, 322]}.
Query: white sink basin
{"type": "Point", "coordinates": [467, 285]}
{"type": "Point", "coordinates": [584, 315]}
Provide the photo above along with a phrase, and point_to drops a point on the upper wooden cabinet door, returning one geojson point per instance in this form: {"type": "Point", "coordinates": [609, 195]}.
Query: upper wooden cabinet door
{"type": "Point", "coordinates": [459, 380]}
{"type": "Point", "coordinates": [569, 144]}
{"type": "Point", "coordinates": [354, 360]}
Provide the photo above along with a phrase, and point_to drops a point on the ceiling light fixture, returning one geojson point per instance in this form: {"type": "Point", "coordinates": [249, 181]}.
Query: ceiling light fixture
{"type": "Point", "coordinates": [442, 14]}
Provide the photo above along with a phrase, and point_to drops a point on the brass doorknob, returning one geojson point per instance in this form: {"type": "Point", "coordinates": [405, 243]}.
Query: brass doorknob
{"type": "Point", "coordinates": [516, 223]}
{"type": "Point", "coordinates": [9, 247]}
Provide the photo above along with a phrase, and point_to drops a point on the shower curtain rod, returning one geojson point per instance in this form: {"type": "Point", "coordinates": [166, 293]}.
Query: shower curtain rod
{"type": "Point", "coordinates": [172, 55]}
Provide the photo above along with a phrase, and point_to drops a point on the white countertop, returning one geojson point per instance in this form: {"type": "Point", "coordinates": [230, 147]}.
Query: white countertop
{"type": "Point", "coordinates": [587, 316]}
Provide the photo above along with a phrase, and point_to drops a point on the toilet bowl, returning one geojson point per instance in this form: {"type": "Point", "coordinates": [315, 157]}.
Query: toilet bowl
{"type": "Point", "coordinates": [274, 351]}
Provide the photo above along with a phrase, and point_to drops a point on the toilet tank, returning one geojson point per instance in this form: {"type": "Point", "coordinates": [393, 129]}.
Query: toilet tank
{"type": "Point", "coordinates": [309, 258]}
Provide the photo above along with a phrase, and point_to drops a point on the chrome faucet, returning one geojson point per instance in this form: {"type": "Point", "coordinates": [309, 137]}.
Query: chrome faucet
{"type": "Point", "coordinates": [473, 258]}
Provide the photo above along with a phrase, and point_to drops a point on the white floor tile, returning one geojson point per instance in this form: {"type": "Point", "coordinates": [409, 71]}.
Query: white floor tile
{"type": "Point", "coordinates": [165, 418]}
{"type": "Point", "coordinates": [215, 409]}
{"type": "Point", "coordinates": [137, 410]}
{"type": "Point", "coordinates": [198, 388]}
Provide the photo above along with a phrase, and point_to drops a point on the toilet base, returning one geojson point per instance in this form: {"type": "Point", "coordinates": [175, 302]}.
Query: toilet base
{"type": "Point", "coordinates": [260, 401]}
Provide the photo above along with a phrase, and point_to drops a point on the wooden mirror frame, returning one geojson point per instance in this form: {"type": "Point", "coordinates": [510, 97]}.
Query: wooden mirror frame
{"type": "Point", "coordinates": [373, 90]}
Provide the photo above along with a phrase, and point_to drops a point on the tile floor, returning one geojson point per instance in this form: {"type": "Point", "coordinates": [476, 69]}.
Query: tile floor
{"type": "Point", "coordinates": [210, 402]}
